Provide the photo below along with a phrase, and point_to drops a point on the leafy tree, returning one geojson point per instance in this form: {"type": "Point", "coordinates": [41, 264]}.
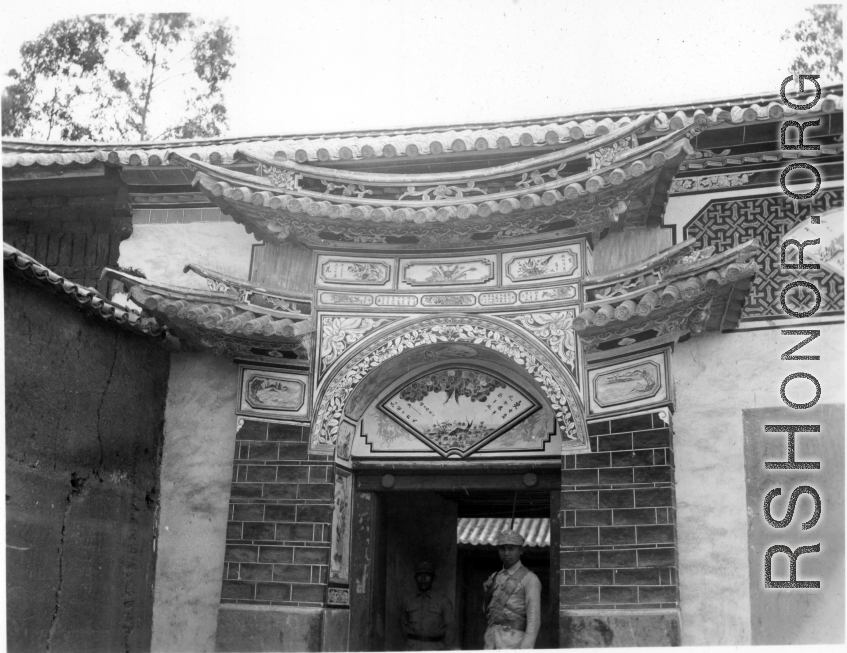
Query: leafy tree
{"type": "Point", "coordinates": [100, 77]}
{"type": "Point", "coordinates": [821, 50]}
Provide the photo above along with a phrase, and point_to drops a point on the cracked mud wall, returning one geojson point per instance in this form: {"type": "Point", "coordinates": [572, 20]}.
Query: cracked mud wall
{"type": "Point", "coordinates": [84, 421]}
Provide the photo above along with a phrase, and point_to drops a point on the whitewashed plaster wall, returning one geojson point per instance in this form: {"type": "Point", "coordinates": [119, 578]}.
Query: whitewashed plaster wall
{"type": "Point", "coordinates": [196, 474]}
{"type": "Point", "coordinates": [717, 375]}
{"type": "Point", "coordinates": [161, 251]}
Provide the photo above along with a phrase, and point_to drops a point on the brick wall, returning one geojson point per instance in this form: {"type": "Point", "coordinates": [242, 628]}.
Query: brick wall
{"type": "Point", "coordinates": [618, 540]}
{"type": "Point", "coordinates": [280, 515]}
{"type": "Point", "coordinates": [76, 237]}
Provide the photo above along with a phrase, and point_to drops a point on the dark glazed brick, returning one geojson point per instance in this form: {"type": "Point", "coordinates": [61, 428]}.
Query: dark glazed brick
{"type": "Point", "coordinates": [314, 514]}
{"type": "Point", "coordinates": [632, 458]}
{"type": "Point", "coordinates": [292, 474]}
{"type": "Point", "coordinates": [592, 460]}
{"type": "Point", "coordinates": [624, 558]}
{"type": "Point", "coordinates": [593, 517]}
{"type": "Point", "coordinates": [285, 432]}
{"type": "Point", "coordinates": [263, 451]}
{"type": "Point", "coordinates": [620, 476]}
{"type": "Point", "coordinates": [594, 577]}
{"type": "Point", "coordinates": [233, 589]}
{"type": "Point", "coordinates": [279, 491]}
{"type": "Point", "coordinates": [651, 439]}
{"type": "Point", "coordinates": [293, 450]}
{"type": "Point", "coordinates": [256, 572]}
{"type": "Point", "coordinates": [307, 593]}
{"type": "Point", "coordinates": [258, 531]}
{"type": "Point", "coordinates": [571, 595]}
{"type": "Point", "coordinates": [233, 530]}
{"type": "Point", "coordinates": [655, 534]}
{"type": "Point", "coordinates": [245, 491]}
{"type": "Point", "coordinates": [618, 595]}
{"type": "Point", "coordinates": [578, 536]}
{"type": "Point", "coordinates": [570, 518]}
{"type": "Point", "coordinates": [653, 474]}
{"type": "Point", "coordinates": [637, 423]}
{"type": "Point", "coordinates": [260, 473]}
{"type": "Point", "coordinates": [295, 532]}
{"type": "Point", "coordinates": [658, 497]}
{"type": "Point", "coordinates": [619, 442]}
{"type": "Point", "coordinates": [311, 556]}
{"type": "Point", "coordinates": [280, 513]}
{"type": "Point", "coordinates": [657, 594]}
{"type": "Point", "coordinates": [292, 573]}
{"type": "Point", "coordinates": [578, 560]}
{"type": "Point", "coordinates": [319, 473]}
{"type": "Point", "coordinates": [315, 491]}
{"type": "Point", "coordinates": [248, 512]}
{"type": "Point", "coordinates": [579, 477]}
{"type": "Point", "coordinates": [568, 577]}
{"type": "Point", "coordinates": [616, 499]}
{"type": "Point", "coordinates": [579, 500]}
{"type": "Point", "coordinates": [252, 430]}
{"type": "Point", "coordinates": [280, 554]}
{"type": "Point", "coordinates": [656, 558]}
{"type": "Point", "coordinates": [273, 591]}
{"type": "Point", "coordinates": [598, 428]}
{"type": "Point", "coordinates": [240, 553]}
{"type": "Point", "coordinates": [570, 462]}
{"type": "Point", "coordinates": [659, 457]}
{"type": "Point", "coordinates": [634, 516]}
{"type": "Point", "coordinates": [617, 535]}
{"type": "Point", "coordinates": [649, 576]}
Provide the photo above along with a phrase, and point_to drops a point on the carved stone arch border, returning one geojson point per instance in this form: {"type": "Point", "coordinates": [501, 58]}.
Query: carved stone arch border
{"type": "Point", "coordinates": [493, 333]}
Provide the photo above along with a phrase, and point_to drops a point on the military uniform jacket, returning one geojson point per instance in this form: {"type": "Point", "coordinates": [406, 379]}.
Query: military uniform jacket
{"type": "Point", "coordinates": [428, 615]}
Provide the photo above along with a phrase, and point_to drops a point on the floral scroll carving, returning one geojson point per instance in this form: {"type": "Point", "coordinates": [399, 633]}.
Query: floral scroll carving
{"type": "Point", "coordinates": [338, 333]}
{"type": "Point", "coordinates": [559, 391]}
{"type": "Point", "coordinates": [556, 331]}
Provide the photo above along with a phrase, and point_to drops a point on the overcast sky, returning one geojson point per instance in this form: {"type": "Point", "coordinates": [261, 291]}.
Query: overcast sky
{"type": "Point", "coordinates": [310, 66]}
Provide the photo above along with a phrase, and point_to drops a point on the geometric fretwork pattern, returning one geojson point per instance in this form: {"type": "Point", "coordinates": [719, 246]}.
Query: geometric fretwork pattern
{"type": "Point", "coordinates": [726, 223]}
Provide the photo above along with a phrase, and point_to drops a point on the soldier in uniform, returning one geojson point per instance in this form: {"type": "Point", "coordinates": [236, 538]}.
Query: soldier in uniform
{"type": "Point", "coordinates": [512, 598]}
{"type": "Point", "coordinates": [426, 617]}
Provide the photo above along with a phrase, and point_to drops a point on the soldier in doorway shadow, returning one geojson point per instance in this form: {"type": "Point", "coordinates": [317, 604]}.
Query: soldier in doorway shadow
{"type": "Point", "coordinates": [512, 598]}
{"type": "Point", "coordinates": [426, 617]}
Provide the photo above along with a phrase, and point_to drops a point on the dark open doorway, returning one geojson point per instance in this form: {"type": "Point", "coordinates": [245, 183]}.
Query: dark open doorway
{"type": "Point", "coordinates": [417, 518]}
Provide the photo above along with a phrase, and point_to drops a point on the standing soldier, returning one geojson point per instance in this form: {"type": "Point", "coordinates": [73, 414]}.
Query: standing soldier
{"type": "Point", "coordinates": [426, 617]}
{"type": "Point", "coordinates": [512, 598]}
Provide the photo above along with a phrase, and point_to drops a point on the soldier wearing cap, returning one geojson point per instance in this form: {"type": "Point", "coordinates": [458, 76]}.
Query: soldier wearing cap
{"type": "Point", "coordinates": [512, 598]}
{"type": "Point", "coordinates": [426, 617]}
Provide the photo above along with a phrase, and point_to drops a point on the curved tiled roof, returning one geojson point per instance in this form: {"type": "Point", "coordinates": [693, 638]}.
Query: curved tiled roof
{"type": "Point", "coordinates": [412, 143]}
{"type": "Point", "coordinates": [230, 319]}
{"type": "Point", "coordinates": [86, 298]}
{"type": "Point", "coordinates": [484, 530]}
{"type": "Point", "coordinates": [679, 276]}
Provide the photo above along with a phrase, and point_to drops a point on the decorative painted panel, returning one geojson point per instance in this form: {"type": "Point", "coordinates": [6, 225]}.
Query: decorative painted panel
{"type": "Point", "coordinates": [829, 253]}
{"type": "Point", "coordinates": [547, 264]}
{"type": "Point", "coordinates": [270, 393]}
{"type": "Point", "coordinates": [332, 271]}
{"type": "Point", "coordinates": [557, 293]}
{"type": "Point", "coordinates": [339, 562]}
{"type": "Point", "coordinates": [456, 411]}
{"type": "Point", "coordinates": [346, 432]}
{"type": "Point", "coordinates": [345, 299]}
{"type": "Point", "coordinates": [497, 298]}
{"type": "Point", "coordinates": [448, 272]}
{"type": "Point", "coordinates": [725, 223]}
{"type": "Point", "coordinates": [396, 300]}
{"type": "Point", "coordinates": [448, 300]}
{"type": "Point", "coordinates": [382, 436]}
{"type": "Point", "coordinates": [630, 383]}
